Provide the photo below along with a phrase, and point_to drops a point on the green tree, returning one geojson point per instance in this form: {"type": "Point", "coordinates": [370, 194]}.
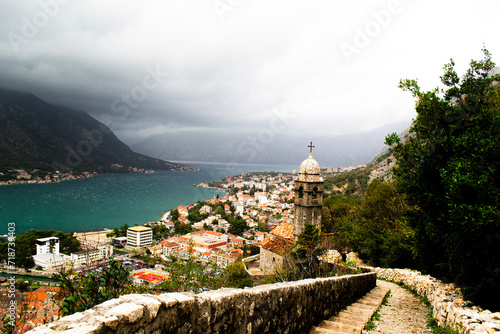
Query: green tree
{"type": "Point", "coordinates": [236, 276]}
{"type": "Point", "coordinates": [306, 252]}
{"type": "Point", "coordinates": [262, 227]}
{"type": "Point", "coordinates": [116, 280]}
{"type": "Point", "coordinates": [219, 210]}
{"type": "Point", "coordinates": [238, 225]}
{"type": "Point", "coordinates": [191, 275]}
{"type": "Point", "coordinates": [123, 230]}
{"type": "Point", "coordinates": [335, 209]}
{"type": "Point", "coordinates": [449, 170]}
{"type": "Point", "coordinates": [80, 293]}
{"type": "Point", "coordinates": [374, 225]}
{"type": "Point", "coordinates": [175, 214]}
{"type": "Point", "coordinates": [23, 285]}
{"type": "Point", "coordinates": [6, 326]}
{"type": "Point", "coordinates": [383, 235]}
{"type": "Point", "coordinates": [182, 228]}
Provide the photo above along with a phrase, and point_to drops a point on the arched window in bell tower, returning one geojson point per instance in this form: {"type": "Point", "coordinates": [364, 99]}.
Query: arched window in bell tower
{"type": "Point", "coordinates": [301, 192]}
{"type": "Point", "coordinates": [315, 192]}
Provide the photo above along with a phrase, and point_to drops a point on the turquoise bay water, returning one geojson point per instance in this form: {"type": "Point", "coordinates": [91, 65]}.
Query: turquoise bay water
{"type": "Point", "coordinates": [111, 200]}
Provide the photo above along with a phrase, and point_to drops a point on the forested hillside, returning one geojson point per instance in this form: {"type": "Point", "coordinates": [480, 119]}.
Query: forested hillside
{"type": "Point", "coordinates": [440, 214]}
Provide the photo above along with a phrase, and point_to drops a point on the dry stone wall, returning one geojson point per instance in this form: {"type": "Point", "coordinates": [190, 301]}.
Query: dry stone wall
{"type": "Point", "coordinates": [292, 307]}
{"type": "Point", "coordinates": [448, 305]}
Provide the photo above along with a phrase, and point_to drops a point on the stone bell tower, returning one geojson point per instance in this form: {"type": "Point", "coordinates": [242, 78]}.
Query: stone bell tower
{"type": "Point", "coordinates": [308, 195]}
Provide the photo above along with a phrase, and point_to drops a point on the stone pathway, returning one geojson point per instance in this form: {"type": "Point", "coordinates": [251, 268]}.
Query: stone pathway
{"type": "Point", "coordinates": [404, 313]}
{"type": "Point", "coordinates": [254, 268]}
{"type": "Point", "coordinates": [354, 318]}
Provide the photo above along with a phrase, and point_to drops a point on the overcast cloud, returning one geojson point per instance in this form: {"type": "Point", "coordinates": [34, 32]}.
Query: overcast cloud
{"type": "Point", "coordinates": [152, 67]}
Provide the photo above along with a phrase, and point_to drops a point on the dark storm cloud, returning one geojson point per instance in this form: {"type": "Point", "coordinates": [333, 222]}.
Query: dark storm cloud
{"type": "Point", "coordinates": [150, 68]}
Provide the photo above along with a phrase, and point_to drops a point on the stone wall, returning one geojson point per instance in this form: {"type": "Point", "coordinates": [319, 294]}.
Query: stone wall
{"type": "Point", "coordinates": [448, 305]}
{"type": "Point", "coordinates": [292, 307]}
{"type": "Point", "coordinates": [269, 261]}
{"type": "Point", "coordinates": [251, 258]}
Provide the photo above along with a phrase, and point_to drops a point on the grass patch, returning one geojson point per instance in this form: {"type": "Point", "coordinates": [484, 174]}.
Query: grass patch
{"type": "Point", "coordinates": [376, 316]}
{"type": "Point", "coordinates": [436, 329]}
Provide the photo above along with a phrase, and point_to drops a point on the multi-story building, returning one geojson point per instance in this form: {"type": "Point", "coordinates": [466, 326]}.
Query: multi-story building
{"type": "Point", "coordinates": [88, 256]}
{"type": "Point", "coordinates": [139, 236]}
{"type": "Point", "coordinates": [47, 254]}
{"type": "Point", "coordinates": [85, 257]}
{"type": "Point", "coordinates": [47, 245]}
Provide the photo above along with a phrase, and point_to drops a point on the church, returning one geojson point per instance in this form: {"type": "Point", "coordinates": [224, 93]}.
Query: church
{"type": "Point", "coordinates": [307, 208]}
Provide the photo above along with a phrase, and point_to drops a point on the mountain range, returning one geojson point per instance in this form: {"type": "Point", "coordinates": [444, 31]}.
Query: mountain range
{"type": "Point", "coordinates": [36, 134]}
{"type": "Point", "coordinates": [286, 148]}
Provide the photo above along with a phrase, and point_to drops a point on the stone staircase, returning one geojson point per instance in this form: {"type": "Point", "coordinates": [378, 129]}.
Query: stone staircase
{"type": "Point", "coordinates": [355, 317]}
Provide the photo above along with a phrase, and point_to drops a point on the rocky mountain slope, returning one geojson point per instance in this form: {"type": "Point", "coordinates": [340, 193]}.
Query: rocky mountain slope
{"type": "Point", "coordinates": [36, 134]}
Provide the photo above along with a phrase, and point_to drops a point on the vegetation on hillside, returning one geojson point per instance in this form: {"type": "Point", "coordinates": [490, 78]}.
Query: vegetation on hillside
{"type": "Point", "coordinates": [81, 292]}
{"type": "Point", "coordinates": [372, 225]}
{"type": "Point", "coordinates": [441, 213]}
{"type": "Point", "coordinates": [348, 183]}
{"type": "Point", "coordinates": [449, 170]}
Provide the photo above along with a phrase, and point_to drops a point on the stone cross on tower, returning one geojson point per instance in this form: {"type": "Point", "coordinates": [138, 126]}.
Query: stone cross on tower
{"type": "Point", "coordinates": [311, 146]}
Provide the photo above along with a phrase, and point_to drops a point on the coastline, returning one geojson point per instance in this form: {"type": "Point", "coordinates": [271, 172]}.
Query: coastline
{"type": "Point", "coordinates": [204, 185]}
{"type": "Point", "coordinates": [165, 214]}
{"type": "Point", "coordinates": [69, 177]}
{"type": "Point", "coordinates": [61, 177]}
{"type": "Point", "coordinates": [109, 200]}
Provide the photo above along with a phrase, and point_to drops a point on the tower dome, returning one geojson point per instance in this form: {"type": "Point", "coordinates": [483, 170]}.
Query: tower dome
{"type": "Point", "coordinates": [309, 170]}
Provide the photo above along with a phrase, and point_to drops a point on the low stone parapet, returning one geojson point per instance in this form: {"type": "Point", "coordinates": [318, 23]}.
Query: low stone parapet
{"type": "Point", "coordinates": [448, 305]}
{"type": "Point", "coordinates": [251, 258]}
{"type": "Point", "coordinates": [292, 307]}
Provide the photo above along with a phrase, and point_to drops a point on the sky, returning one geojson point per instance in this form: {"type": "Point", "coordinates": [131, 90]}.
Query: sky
{"type": "Point", "coordinates": [238, 66]}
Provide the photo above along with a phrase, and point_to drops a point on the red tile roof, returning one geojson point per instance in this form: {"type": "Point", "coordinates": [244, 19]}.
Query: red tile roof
{"type": "Point", "coordinates": [280, 240]}
{"type": "Point", "coordinates": [217, 234]}
{"type": "Point", "coordinates": [276, 245]}
{"type": "Point", "coordinates": [284, 230]}
{"type": "Point", "coordinates": [169, 244]}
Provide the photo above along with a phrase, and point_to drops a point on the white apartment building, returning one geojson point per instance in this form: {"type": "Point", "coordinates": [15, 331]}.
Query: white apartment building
{"type": "Point", "coordinates": [47, 245]}
{"type": "Point", "coordinates": [139, 236]}
{"type": "Point", "coordinates": [47, 254]}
